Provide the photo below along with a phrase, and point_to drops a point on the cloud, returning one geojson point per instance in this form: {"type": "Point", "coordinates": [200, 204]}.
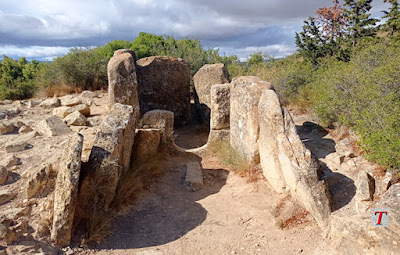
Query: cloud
{"type": "Point", "coordinates": [33, 52]}
{"type": "Point", "coordinates": [230, 25]}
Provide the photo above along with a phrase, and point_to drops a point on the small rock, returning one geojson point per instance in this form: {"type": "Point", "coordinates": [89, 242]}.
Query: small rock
{"type": "Point", "coordinates": [71, 101]}
{"type": "Point", "coordinates": [88, 94]}
{"type": "Point", "coordinates": [82, 108]}
{"type": "Point", "coordinates": [3, 175]}
{"type": "Point", "coordinates": [53, 126]}
{"type": "Point", "coordinates": [75, 119]}
{"type": "Point", "coordinates": [9, 161]}
{"type": "Point", "coordinates": [62, 111]}
{"type": "Point", "coordinates": [194, 176]}
{"type": "Point", "coordinates": [95, 121]}
{"type": "Point", "coordinates": [16, 146]}
{"type": "Point", "coordinates": [25, 129]}
{"type": "Point", "coordinates": [37, 178]}
{"type": "Point", "coordinates": [349, 154]}
{"type": "Point", "coordinates": [6, 127]}
{"type": "Point", "coordinates": [50, 103]}
{"type": "Point", "coordinates": [6, 195]}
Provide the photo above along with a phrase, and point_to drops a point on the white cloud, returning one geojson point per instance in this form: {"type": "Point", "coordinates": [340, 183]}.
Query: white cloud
{"type": "Point", "coordinates": [33, 52]}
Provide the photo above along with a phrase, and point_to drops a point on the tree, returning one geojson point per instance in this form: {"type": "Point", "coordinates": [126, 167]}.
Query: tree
{"type": "Point", "coordinates": [332, 23]}
{"type": "Point", "coordinates": [360, 24]}
{"type": "Point", "coordinates": [146, 45]}
{"type": "Point", "coordinates": [392, 25]}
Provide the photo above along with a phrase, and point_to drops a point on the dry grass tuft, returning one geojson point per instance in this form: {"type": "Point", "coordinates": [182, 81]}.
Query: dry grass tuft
{"type": "Point", "coordinates": [231, 159]}
{"type": "Point", "coordinates": [60, 90]}
{"type": "Point", "coordinates": [289, 214]}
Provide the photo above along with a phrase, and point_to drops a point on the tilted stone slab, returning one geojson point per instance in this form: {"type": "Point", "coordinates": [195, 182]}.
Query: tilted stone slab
{"type": "Point", "coordinates": [66, 191]}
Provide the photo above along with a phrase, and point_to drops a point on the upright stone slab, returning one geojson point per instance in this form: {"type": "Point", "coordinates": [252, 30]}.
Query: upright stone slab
{"type": "Point", "coordinates": [164, 83]}
{"type": "Point", "coordinates": [206, 77]}
{"type": "Point", "coordinates": [146, 143]}
{"type": "Point", "coordinates": [66, 191]}
{"type": "Point", "coordinates": [163, 120]}
{"type": "Point", "coordinates": [122, 51]}
{"type": "Point", "coordinates": [122, 81]}
{"type": "Point", "coordinates": [110, 155]}
{"type": "Point", "coordinates": [244, 125]}
{"type": "Point", "coordinates": [220, 106]}
{"type": "Point", "coordinates": [271, 124]}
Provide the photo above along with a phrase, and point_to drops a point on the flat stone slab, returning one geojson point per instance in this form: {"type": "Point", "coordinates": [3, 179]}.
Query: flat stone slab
{"type": "Point", "coordinates": [194, 176]}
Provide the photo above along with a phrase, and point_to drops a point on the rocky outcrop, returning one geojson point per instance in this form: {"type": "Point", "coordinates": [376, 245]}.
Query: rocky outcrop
{"type": "Point", "coordinates": [66, 191]}
{"type": "Point", "coordinates": [287, 163]}
{"type": "Point", "coordinates": [163, 120]}
{"type": "Point", "coordinates": [206, 77]}
{"type": "Point", "coordinates": [164, 84]}
{"type": "Point", "coordinates": [122, 81]}
{"type": "Point", "coordinates": [110, 155]}
{"type": "Point", "coordinates": [244, 122]}
{"type": "Point", "coordinates": [53, 126]}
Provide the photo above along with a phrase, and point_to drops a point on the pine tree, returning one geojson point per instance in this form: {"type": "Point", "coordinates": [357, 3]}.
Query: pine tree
{"type": "Point", "coordinates": [392, 25]}
{"type": "Point", "coordinates": [359, 20]}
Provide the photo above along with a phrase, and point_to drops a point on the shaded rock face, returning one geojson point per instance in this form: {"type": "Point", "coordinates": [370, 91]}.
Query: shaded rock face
{"type": "Point", "coordinates": [122, 81]}
{"type": "Point", "coordinates": [206, 77]}
{"type": "Point", "coordinates": [220, 106]}
{"type": "Point", "coordinates": [286, 162]}
{"type": "Point", "coordinates": [164, 84]}
{"type": "Point", "coordinates": [110, 155]}
{"type": "Point", "coordinates": [244, 124]}
{"type": "Point", "coordinates": [146, 143]}
{"type": "Point", "coordinates": [66, 191]}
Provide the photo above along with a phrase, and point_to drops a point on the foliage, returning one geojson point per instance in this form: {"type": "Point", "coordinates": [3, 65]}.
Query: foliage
{"type": "Point", "coordinates": [392, 25]}
{"type": "Point", "coordinates": [364, 94]}
{"type": "Point", "coordinates": [17, 78]}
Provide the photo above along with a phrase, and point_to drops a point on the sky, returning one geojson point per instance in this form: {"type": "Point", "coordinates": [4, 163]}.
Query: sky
{"type": "Point", "coordinates": [45, 29]}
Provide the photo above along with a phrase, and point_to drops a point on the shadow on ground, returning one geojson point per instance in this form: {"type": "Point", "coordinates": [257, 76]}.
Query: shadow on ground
{"type": "Point", "coordinates": [312, 135]}
{"type": "Point", "coordinates": [166, 212]}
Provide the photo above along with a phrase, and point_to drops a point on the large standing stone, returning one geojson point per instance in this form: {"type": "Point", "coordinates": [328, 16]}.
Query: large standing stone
{"type": "Point", "coordinates": [206, 77]}
{"type": "Point", "coordinates": [53, 126]}
{"type": "Point", "coordinates": [286, 161]}
{"type": "Point", "coordinates": [244, 125]}
{"type": "Point", "coordinates": [122, 51]}
{"type": "Point", "coordinates": [164, 83]}
{"type": "Point", "coordinates": [146, 143]}
{"type": "Point", "coordinates": [122, 81]}
{"type": "Point", "coordinates": [220, 106]}
{"type": "Point", "coordinates": [111, 153]}
{"type": "Point", "coordinates": [66, 191]}
{"type": "Point", "coordinates": [163, 120]}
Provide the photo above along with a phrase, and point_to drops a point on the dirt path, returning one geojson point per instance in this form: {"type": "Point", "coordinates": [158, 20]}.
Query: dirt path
{"type": "Point", "coordinates": [228, 215]}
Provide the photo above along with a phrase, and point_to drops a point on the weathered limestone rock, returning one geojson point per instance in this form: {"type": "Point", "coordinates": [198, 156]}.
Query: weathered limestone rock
{"type": "Point", "coordinates": [18, 124]}
{"type": "Point", "coordinates": [194, 176]}
{"type": "Point", "coordinates": [9, 161]}
{"type": "Point", "coordinates": [271, 124]}
{"type": "Point", "coordinates": [122, 81]}
{"type": "Point", "coordinates": [3, 174]}
{"type": "Point", "coordinates": [50, 103]}
{"type": "Point", "coordinates": [206, 77]}
{"type": "Point", "coordinates": [95, 121]}
{"type": "Point", "coordinates": [110, 155]}
{"type": "Point", "coordinates": [164, 84]}
{"type": "Point", "coordinates": [6, 127]}
{"type": "Point", "coordinates": [146, 143]}
{"type": "Point", "coordinates": [6, 195]}
{"type": "Point", "coordinates": [365, 185]}
{"type": "Point", "coordinates": [70, 101]}
{"type": "Point", "coordinates": [53, 126]}
{"type": "Point", "coordinates": [122, 51]}
{"type": "Point", "coordinates": [88, 94]}
{"type": "Point", "coordinates": [66, 191]}
{"type": "Point", "coordinates": [62, 111]}
{"type": "Point", "coordinates": [37, 178]}
{"type": "Point", "coordinates": [244, 125]}
{"type": "Point", "coordinates": [16, 146]}
{"type": "Point", "coordinates": [220, 106]}
{"type": "Point", "coordinates": [163, 120]}
{"type": "Point", "coordinates": [25, 129]}
{"type": "Point", "coordinates": [287, 163]}
{"type": "Point", "coordinates": [75, 119]}
{"type": "Point", "coordinates": [82, 108]}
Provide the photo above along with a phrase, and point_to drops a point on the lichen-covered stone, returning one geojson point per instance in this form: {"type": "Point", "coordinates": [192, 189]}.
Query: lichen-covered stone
{"type": "Point", "coordinates": [163, 120]}
{"type": "Point", "coordinates": [53, 126]}
{"type": "Point", "coordinates": [220, 106]}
